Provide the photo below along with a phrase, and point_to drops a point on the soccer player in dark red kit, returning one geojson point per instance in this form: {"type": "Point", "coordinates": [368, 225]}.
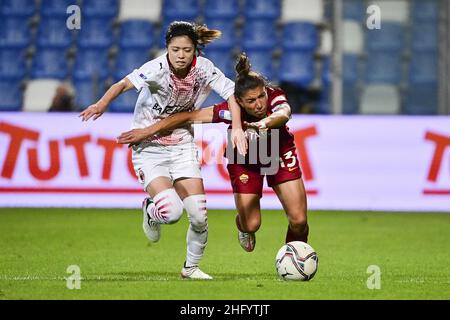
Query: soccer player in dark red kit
{"type": "Point", "coordinates": [263, 109]}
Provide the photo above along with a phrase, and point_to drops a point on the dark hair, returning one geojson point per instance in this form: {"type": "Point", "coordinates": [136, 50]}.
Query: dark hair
{"type": "Point", "coordinates": [200, 35]}
{"type": "Point", "coordinates": [246, 79]}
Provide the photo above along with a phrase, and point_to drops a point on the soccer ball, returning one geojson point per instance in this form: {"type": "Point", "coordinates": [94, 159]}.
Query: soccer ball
{"type": "Point", "coordinates": [296, 260]}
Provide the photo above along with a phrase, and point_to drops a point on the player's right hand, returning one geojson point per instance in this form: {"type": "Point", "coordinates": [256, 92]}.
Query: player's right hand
{"type": "Point", "coordinates": [239, 140]}
{"type": "Point", "coordinates": [93, 110]}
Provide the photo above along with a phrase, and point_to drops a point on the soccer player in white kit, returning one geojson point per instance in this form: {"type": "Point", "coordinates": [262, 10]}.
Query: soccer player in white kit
{"type": "Point", "coordinates": [168, 167]}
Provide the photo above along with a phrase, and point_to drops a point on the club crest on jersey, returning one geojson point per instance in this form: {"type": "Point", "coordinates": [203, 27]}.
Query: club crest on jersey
{"type": "Point", "coordinates": [196, 87]}
{"type": "Point", "coordinates": [244, 178]}
{"type": "Point", "coordinates": [141, 176]}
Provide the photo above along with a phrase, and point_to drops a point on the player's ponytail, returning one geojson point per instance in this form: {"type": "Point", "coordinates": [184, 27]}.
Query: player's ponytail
{"type": "Point", "coordinates": [246, 79]}
{"type": "Point", "coordinates": [205, 35]}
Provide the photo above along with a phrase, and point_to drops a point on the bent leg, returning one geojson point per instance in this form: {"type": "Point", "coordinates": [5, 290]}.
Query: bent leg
{"type": "Point", "coordinates": [249, 212]}
{"type": "Point", "coordinates": [292, 195]}
{"type": "Point", "coordinates": [166, 207]}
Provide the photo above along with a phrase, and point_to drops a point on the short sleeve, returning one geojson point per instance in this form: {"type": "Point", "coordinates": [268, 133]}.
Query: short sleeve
{"type": "Point", "coordinates": [221, 113]}
{"type": "Point", "coordinates": [140, 77]}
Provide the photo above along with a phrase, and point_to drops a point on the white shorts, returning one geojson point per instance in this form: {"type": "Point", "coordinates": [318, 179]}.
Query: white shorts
{"type": "Point", "coordinates": [173, 162]}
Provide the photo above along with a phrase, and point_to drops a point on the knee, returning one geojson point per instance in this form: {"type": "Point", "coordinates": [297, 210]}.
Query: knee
{"type": "Point", "coordinates": [169, 206]}
{"type": "Point", "coordinates": [196, 209]}
{"type": "Point", "coordinates": [250, 226]}
{"type": "Point", "coordinates": [298, 222]}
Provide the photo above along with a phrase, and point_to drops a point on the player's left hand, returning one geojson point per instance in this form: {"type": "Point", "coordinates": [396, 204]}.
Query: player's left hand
{"type": "Point", "coordinates": [132, 137]}
{"type": "Point", "coordinates": [259, 125]}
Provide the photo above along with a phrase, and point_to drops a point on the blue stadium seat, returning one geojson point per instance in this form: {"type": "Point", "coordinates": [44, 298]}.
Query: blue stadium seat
{"type": "Point", "coordinates": [350, 103]}
{"type": "Point", "coordinates": [383, 67]}
{"type": "Point", "coordinates": [181, 10]}
{"type": "Point", "coordinates": [222, 9]}
{"type": "Point", "coordinates": [350, 69]}
{"type": "Point", "coordinates": [228, 38]}
{"type": "Point", "coordinates": [125, 102]}
{"type": "Point", "coordinates": [222, 60]}
{"type": "Point", "coordinates": [88, 91]}
{"type": "Point", "coordinates": [424, 36]}
{"type": "Point", "coordinates": [50, 63]}
{"type": "Point", "coordinates": [423, 68]}
{"type": "Point", "coordinates": [391, 36]}
{"type": "Point", "coordinates": [262, 61]}
{"type": "Point", "coordinates": [421, 100]}
{"type": "Point", "coordinates": [323, 106]}
{"type": "Point", "coordinates": [14, 33]}
{"type": "Point", "coordinates": [259, 34]}
{"type": "Point", "coordinates": [52, 33]}
{"type": "Point", "coordinates": [266, 9]}
{"type": "Point", "coordinates": [18, 8]}
{"type": "Point", "coordinates": [56, 8]}
{"type": "Point", "coordinates": [91, 63]}
{"type": "Point", "coordinates": [12, 64]}
{"type": "Point", "coordinates": [129, 59]}
{"type": "Point", "coordinates": [11, 96]}
{"type": "Point", "coordinates": [96, 33]}
{"type": "Point", "coordinates": [300, 35]}
{"type": "Point", "coordinates": [297, 67]}
{"type": "Point", "coordinates": [136, 34]}
{"type": "Point", "coordinates": [425, 10]}
{"type": "Point", "coordinates": [349, 100]}
{"type": "Point", "coordinates": [100, 8]}
{"type": "Point", "coordinates": [212, 99]}
{"type": "Point", "coordinates": [354, 10]}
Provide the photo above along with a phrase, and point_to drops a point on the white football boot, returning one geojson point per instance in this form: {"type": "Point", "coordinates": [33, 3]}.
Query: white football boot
{"type": "Point", "coordinates": [151, 228]}
{"type": "Point", "coordinates": [247, 241]}
{"type": "Point", "coordinates": [194, 273]}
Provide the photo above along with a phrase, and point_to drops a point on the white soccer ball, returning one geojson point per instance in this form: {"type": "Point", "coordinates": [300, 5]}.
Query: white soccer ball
{"type": "Point", "coordinates": [296, 260]}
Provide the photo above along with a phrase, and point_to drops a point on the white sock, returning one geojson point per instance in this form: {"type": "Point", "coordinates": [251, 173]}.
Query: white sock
{"type": "Point", "coordinates": [197, 235]}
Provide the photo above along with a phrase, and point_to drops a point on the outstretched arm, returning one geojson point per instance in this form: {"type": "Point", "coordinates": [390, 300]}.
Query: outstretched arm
{"type": "Point", "coordinates": [275, 120]}
{"type": "Point", "coordinates": [172, 122]}
{"type": "Point", "coordinates": [97, 109]}
{"type": "Point", "coordinates": [237, 134]}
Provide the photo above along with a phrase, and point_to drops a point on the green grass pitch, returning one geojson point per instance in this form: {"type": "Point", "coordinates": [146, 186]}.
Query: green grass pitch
{"type": "Point", "coordinates": [116, 261]}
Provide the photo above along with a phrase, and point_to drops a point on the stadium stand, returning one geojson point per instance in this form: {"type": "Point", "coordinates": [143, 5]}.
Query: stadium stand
{"type": "Point", "coordinates": [289, 41]}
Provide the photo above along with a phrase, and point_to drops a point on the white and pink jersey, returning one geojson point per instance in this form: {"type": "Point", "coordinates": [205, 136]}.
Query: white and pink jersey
{"type": "Point", "coordinates": [162, 94]}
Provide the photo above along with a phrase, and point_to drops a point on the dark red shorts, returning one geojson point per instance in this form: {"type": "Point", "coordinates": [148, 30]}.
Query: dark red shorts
{"type": "Point", "coordinates": [247, 178]}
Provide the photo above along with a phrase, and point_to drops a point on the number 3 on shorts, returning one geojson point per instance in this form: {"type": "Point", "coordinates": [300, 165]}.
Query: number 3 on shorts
{"type": "Point", "coordinates": [288, 156]}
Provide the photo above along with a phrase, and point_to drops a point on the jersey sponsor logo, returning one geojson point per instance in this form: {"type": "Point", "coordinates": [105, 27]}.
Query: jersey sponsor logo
{"type": "Point", "coordinates": [176, 109]}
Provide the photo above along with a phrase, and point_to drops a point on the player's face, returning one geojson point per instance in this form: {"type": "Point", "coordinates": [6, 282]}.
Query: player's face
{"type": "Point", "coordinates": [254, 101]}
{"type": "Point", "coordinates": [181, 53]}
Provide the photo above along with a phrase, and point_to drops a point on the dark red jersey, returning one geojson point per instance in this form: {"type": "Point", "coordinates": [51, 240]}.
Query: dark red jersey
{"type": "Point", "coordinates": [248, 177]}
{"type": "Point", "coordinates": [276, 97]}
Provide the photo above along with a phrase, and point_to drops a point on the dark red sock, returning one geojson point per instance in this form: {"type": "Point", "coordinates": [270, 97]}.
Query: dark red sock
{"type": "Point", "coordinates": [293, 236]}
